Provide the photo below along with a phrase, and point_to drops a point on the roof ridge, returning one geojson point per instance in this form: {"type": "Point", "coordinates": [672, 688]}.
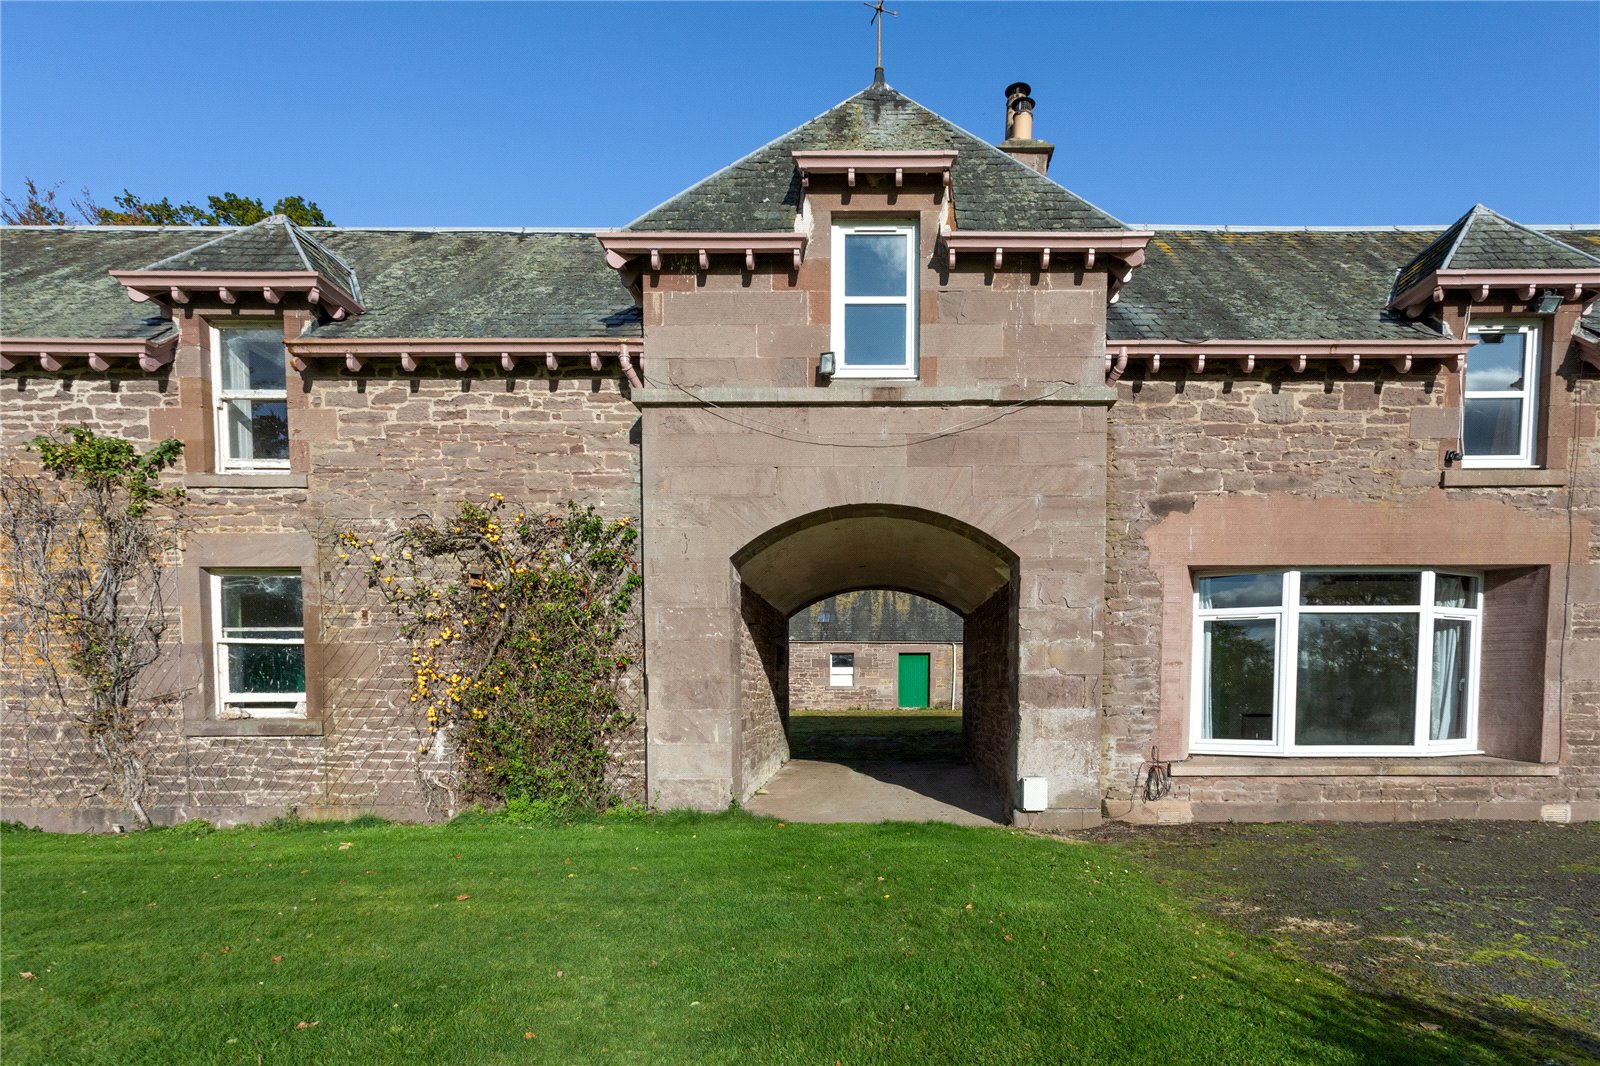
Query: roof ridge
{"type": "Point", "coordinates": [681, 193]}
{"type": "Point", "coordinates": [996, 150]}
{"type": "Point", "coordinates": [298, 236]}
{"type": "Point", "coordinates": [1514, 224]}
{"type": "Point", "coordinates": [203, 244]}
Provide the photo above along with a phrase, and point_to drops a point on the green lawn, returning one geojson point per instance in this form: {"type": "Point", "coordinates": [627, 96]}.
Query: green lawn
{"type": "Point", "coordinates": [872, 736]}
{"type": "Point", "coordinates": [676, 938]}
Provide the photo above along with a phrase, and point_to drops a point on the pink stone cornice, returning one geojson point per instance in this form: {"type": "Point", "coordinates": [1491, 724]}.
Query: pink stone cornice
{"type": "Point", "coordinates": [1297, 354]}
{"type": "Point", "coordinates": [555, 352]}
{"type": "Point", "coordinates": [624, 247]}
{"type": "Point", "coordinates": [1573, 285]}
{"type": "Point", "coordinates": [1126, 245]}
{"type": "Point", "coordinates": [53, 353]}
{"type": "Point", "coordinates": [172, 287]}
{"type": "Point", "coordinates": [852, 164]}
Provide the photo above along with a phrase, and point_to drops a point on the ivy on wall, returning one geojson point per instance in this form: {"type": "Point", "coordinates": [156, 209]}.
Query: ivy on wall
{"type": "Point", "coordinates": [84, 542]}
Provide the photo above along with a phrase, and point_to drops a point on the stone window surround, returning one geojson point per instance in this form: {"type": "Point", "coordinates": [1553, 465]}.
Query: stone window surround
{"type": "Point", "coordinates": [198, 325]}
{"type": "Point", "coordinates": [247, 551]}
{"type": "Point", "coordinates": [1434, 531]}
{"type": "Point", "coordinates": [1557, 413]}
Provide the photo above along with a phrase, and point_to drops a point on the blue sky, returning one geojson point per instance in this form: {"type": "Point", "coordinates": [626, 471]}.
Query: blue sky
{"type": "Point", "coordinates": [552, 114]}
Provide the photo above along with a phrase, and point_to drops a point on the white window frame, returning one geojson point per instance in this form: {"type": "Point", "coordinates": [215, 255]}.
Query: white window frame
{"type": "Point", "coordinates": [1286, 616]}
{"type": "Point", "coordinates": [1527, 451]}
{"type": "Point", "coordinates": [846, 673]}
{"type": "Point", "coordinates": [226, 463]}
{"type": "Point", "coordinates": [230, 704]}
{"type": "Point", "coordinates": [839, 301]}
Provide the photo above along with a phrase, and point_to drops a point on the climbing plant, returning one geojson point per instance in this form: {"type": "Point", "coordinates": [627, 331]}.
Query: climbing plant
{"type": "Point", "coordinates": [84, 541]}
{"type": "Point", "coordinates": [523, 638]}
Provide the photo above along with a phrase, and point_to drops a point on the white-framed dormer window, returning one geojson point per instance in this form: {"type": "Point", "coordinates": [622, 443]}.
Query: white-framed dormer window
{"type": "Point", "coordinates": [248, 368]}
{"type": "Point", "coordinates": [1500, 401]}
{"type": "Point", "coordinates": [841, 669]}
{"type": "Point", "coordinates": [258, 643]}
{"type": "Point", "coordinates": [874, 305]}
{"type": "Point", "coordinates": [1336, 662]}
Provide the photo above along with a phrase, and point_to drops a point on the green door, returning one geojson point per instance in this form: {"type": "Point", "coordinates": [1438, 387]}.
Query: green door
{"type": "Point", "coordinates": [914, 679]}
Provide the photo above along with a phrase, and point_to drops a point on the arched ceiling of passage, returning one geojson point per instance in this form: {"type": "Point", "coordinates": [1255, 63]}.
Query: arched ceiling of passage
{"type": "Point", "coordinates": [845, 549]}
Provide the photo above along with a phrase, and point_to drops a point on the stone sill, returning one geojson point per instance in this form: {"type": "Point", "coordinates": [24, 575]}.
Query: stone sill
{"type": "Point", "coordinates": [1456, 477]}
{"type": "Point", "coordinates": [852, 394]}
{"type": "Point", "coordinates": [245, 481]}
{"type": "Point", "coordinates": [253, 727]}
{"type": "Point", "coordinates": [1442, 766]}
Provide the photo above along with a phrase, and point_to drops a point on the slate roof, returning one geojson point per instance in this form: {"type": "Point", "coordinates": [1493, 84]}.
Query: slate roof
{"type": "Point", "coordinates": [1484, 240]}
{"type": "Point", "coordinates": [414, 283]}
{"type": "Point", "coordinates": [482, 283]}
{"type": "Point", "coordinates": [273, 244]}
{"type": "Point", "coordinates": [761, 192]}
{"type": "Point", "coordinates": [1220, 284]}
{"type": "Point", "coordinates": [53, 280]}
{"type": "Point", "coordinates": [876, 614]}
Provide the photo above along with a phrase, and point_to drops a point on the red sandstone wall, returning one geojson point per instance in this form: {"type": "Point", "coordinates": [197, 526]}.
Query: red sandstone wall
{"type": "Point", "coordinates": [368, 452]}
{"type": "Point", "coordinates": [1326, 468]}
{"type": "Point", "coordinates": [877, 675]}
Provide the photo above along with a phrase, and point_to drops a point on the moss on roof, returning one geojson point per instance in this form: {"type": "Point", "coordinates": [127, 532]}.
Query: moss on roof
{"type": "Point", "coordinates": [54, 280]}
{"type": "Point", "coordinates": [761, 192]}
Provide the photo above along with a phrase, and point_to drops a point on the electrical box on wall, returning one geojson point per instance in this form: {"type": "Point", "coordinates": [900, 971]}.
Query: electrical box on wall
{"type": "Point", "coordinates": [1035, 793]}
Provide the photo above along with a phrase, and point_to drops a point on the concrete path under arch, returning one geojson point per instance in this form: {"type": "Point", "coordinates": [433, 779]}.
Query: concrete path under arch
{"type": "Point", "coordinates": [810, 791]}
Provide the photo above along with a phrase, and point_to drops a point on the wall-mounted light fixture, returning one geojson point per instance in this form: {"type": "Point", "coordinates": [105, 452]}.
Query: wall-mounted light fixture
{"type": "Point", "coordinates": [825, 364]}
{"type": "Point", "coordinates": [1549, 302]}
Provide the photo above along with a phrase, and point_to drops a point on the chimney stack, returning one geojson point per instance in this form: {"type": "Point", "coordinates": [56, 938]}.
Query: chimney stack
{"type": "Point", "coordinates": [1019, 142]}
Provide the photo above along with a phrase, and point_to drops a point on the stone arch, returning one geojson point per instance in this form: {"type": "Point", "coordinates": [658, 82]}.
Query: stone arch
{"type": "Point", "coordinates": [847, 548]}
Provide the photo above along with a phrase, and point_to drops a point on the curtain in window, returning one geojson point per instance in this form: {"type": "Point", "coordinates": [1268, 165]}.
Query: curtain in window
{"type": "Point", "coordinates": [1448, 717]}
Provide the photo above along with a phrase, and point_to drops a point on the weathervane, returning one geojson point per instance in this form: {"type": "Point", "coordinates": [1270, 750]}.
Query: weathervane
{"type": "Point", "coordinates": [878, 11]}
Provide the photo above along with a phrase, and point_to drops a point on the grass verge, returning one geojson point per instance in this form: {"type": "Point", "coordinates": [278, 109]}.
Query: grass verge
{"type": "Point", "coordinates": [674, 938]}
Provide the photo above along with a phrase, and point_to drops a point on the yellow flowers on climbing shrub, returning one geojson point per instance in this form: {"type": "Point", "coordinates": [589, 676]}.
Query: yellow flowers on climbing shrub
{"type": "Point", "coordinates": [524, 635]}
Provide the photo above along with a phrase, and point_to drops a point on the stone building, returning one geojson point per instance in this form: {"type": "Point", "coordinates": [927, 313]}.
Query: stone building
{"type": "Point", "coordinates": [875, 650]}
{"type": "Point", "coordinates": [1304, 516]}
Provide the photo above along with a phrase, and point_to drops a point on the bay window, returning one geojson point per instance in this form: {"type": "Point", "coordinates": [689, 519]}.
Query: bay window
{"type": "Point", "coordinates": [1336, 662]}
{"type": "Point", "coordinates": [874, 299]}
{"type": "Point", "coordinates": [250, 377]}
{"type": "Point", "coordinates": [1499, 406]}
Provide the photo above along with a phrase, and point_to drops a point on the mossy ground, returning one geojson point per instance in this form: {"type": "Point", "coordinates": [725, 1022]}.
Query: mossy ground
{"type": "Point", "coordinates": [1493, 925]}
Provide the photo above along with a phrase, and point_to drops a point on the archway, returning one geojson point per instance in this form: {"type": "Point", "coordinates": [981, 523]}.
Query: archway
{"type": "Point", "coordinates": [877, 546]}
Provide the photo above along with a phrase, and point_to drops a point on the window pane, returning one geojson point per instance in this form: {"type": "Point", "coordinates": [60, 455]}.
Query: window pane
{"type": "Point", "coordinates": [1242, 590]}
{"type": "Point", "coordinates": [1452, 590]}
{"type": "Point", "coordinates": [252, 358]}
{"type": "Point", "coordinates": [1493, 427]}
{"type": "Point", "coordinates": [1452, 644]}
{"type": "Point", "coordinates": [875, 335]}
{"type": "Point", "coordinates": [843, 661]}
{"type": "Point", "coordinates": [1240, 659]}
{"type": "Point", "coordinates": [266, 668]}
{"type": "Point", "coordinates": [1360, 590]}
{"type": "Point", "coordinates": [875, 264]}
{"type": "Point", "coordinates": [1357, 682]}
{"type": "Point", "coordinates": [262, 601]}
{"type": "Point", "coordinates": [258, 429]}
{"type": "Point", "coordinates": [1496, 362]}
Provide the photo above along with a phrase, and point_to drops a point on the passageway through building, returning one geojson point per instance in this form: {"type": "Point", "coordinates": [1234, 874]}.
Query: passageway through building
{"type": "Point", "coordinates": [864, 730]}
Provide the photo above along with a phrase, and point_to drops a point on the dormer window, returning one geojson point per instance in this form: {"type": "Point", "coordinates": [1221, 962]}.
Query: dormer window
{"type": "Point", "coordinates": [1500, 400]}
{"type": "Point", "coordinates": [875, 299]}
{"type": "Point", "coordinates": [248, 370]}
